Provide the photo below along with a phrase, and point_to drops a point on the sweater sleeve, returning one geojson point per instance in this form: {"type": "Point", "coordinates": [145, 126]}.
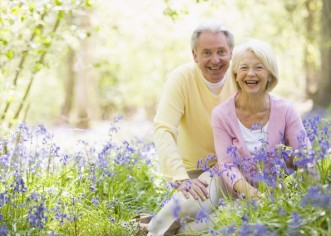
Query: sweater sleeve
{"type": "Point", "coordinates": [166, 122]}
{"type": "Point", "coordinates": [295, 134]}
{"type": "Point", "coordinates": [227, 155]}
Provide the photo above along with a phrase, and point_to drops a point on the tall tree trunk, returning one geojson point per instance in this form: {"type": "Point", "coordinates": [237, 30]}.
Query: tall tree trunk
{"type": "Point", "coordinates": [309, 61]}
{"type": "Point", "coordinates": [323, 98]}
{"type": "Point", "coordinates": [69, 86]}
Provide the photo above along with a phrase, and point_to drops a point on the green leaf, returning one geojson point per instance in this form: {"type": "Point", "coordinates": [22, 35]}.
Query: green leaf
{"type": "Point", "coordinates": [58, 2]}
{"type": "Point", "coordinates": [88, 3]}
{"type": "Point", "coordinates": [10, 54]}
{"type": "Point", "coordinates": [60, 14]}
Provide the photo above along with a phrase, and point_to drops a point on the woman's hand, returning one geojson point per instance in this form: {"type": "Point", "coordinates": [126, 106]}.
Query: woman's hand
{"type": "Point", "coordinates": [243, 187]}
{"type": "Point", "coordinates": [194, 187]}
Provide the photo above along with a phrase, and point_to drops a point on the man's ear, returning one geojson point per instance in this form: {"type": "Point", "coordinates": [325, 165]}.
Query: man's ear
{"type": "Point", "coordinates": [195, 57]}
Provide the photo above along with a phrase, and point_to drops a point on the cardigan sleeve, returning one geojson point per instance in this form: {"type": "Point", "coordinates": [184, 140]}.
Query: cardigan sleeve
{"type": "Point", "coordinates": [226, 152]}
{"type": "Point", "coordinates": [295, 135]}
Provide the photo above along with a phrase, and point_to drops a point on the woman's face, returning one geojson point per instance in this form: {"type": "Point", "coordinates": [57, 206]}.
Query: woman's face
{"type": "Point", "coordinates": [252, 76]}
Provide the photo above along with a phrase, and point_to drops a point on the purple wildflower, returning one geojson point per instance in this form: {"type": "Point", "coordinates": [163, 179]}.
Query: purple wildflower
{"type": "Point", "coordinates": [112, 220]}
{"type": "Point", "coordinates": [3, 229]}
{"type": "Point", "coordinates": [202, 216]}
{"type": "Point", "coordinates": [59, 215]}
{"type": "Point", "coordinates": [95, 201]}
{"type": "Point", "coordinates": [221, 202]}
{"type": "Point", "coordinates": [19, 185]}
{"type": "Point", "coordinates": [227, 230]}
{"type": "Point", "coordinates": [255, 229]}
{"type": "Point", "coordinates": [244, 218]}
{"type": "Point", "coordinates": [176, 209]}
{"type": "Point", "coordinates": [37, 216]}
{"type": "Point", "coordinates": [4, 199]}
{"type": "Point", "coordinates": [294, 225]}
{"type": "Point", "coordinates": [317, 197]}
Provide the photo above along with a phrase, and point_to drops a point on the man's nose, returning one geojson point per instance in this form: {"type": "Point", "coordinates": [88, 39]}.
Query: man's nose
{"type": "Point", "coordinates": [215, 58]}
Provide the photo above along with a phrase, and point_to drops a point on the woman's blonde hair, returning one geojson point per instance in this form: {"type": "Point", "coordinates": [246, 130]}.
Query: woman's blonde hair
{"type": "Point", "coordinates": [262, 51]}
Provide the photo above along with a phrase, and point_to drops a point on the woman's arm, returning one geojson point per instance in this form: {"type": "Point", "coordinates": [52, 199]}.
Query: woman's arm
{"type": "Point", "coordinates": [227, 157]}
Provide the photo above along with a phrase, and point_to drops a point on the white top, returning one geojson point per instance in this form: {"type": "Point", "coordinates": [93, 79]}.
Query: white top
{"type": "Point", "coordinates": [215, 88]}
{"type": "Point", "coordinates": [253, 137]}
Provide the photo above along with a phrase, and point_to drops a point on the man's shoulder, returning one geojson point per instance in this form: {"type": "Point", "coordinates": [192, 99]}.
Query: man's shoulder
{"type": "Point", "coordinates": [184, 71]}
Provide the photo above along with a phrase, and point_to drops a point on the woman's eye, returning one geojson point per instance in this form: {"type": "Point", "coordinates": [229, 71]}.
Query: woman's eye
{"type": "Point", "coordinates": [222, 53]}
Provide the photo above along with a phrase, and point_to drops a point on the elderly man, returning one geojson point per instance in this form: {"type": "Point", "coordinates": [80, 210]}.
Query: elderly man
{"type": "Point", "coordinates": [183, 133]}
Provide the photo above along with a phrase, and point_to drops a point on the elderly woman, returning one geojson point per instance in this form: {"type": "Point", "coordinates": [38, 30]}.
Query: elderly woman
{"type": "Point", "coordinates": [252, 115]}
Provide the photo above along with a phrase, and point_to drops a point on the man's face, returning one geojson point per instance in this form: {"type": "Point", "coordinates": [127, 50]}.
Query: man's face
{"type": "Point", "coordinates": [213, 55]}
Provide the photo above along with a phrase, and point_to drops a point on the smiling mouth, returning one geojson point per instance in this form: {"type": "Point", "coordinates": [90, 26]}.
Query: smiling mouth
{"type": "Point", "coordinates": [215, 68]}
{"type": "Point", "coordinates": [251, 82]}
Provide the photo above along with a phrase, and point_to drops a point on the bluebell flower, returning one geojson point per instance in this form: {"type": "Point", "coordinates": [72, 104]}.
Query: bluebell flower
{"type": "Point", "coordinates": [244, 218]}
{"type": "Point", "coordinates": [223, 231]}
{"type": "Point", "coordinates": [4, 160]}
{"type": "Point", "coordinates": [95, 201]}
{"type": "Point", "coordinates": [221, 202]}
{"type": "Point", "coordinates": [37, 216]}
{"type": "Point", "coordinates": [4, 199]}
{"type": "Point", "coordinates": [112, 220]}
{"type": "Point", "coordinates": [318, 197]}
{"type": "Point", "coordinates": [202, 216]}
{"type": "Point", "coordinates": [246, 229]}
{"type": "Point", "coordinates": [19, 185]}
{"type": "Point", "coordinates": [3, 229]}
{"type": "Point", "coordinates": [176, 209]}
{"type": "Point", "coordinates": [65, 159]}
{"type": "Point", "coordinates": [130, 178]}
{"type": "Point", "coordinates": [59, 215]}
{"type": "Point", "coordinates": [92, 187]}
{"type": "Point", "coordinates": [40, 129]}
{"type": "Point", "coordinates": [294, 225]}
{"type": "Point", "coordinates": [281, 212]}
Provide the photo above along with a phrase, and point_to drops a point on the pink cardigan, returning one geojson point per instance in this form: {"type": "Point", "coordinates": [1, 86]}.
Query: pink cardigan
{"type": "Point", "coordinates": [284, 119]}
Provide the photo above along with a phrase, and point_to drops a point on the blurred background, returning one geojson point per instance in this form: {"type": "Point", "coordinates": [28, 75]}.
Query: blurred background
{"type": "Point", "coordinates": [81, 63]}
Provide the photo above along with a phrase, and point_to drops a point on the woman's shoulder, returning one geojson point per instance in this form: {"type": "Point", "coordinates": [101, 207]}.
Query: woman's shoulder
{"type": "Point", "coordinates": [283, 107]}
{"type": "Point", "coordinates": [281, 103]}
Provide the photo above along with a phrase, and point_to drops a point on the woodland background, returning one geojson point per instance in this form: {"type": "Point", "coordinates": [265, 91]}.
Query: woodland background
{"type": "Point", "coordinates": [82, 61]}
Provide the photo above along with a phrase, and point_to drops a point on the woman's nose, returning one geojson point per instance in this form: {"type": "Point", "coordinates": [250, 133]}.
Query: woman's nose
{"type": "Point", "coordinates": [251, 71]}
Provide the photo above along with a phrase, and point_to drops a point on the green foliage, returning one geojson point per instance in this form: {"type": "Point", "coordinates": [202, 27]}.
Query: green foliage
{"type": "Point", "coordinates": [88, 192]}
{"type": "Point", "coordinates": [29, 32]}
{"type": "Point", "coordinates": [97, 190]}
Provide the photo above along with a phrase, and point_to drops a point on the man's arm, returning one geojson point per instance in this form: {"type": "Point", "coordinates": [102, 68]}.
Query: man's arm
{"type": "Point", "coordinates": [166, 123]}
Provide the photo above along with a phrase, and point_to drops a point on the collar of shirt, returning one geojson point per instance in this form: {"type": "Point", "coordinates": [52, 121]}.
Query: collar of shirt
{"type": "Point", "coordinates": [214, 87]}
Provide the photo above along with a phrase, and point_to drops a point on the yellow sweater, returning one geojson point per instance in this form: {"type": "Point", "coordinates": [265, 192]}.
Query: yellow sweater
{"type": "Point", "coordinates": [182, 125]}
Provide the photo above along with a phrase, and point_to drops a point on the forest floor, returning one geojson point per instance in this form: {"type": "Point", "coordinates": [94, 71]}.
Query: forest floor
{"type": "Point", "coordinates": [67, 137]}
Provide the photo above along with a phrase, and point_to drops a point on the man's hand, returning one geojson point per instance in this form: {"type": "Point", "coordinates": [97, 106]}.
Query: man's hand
{"type": "Point", "coordinates": [194, 187]}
